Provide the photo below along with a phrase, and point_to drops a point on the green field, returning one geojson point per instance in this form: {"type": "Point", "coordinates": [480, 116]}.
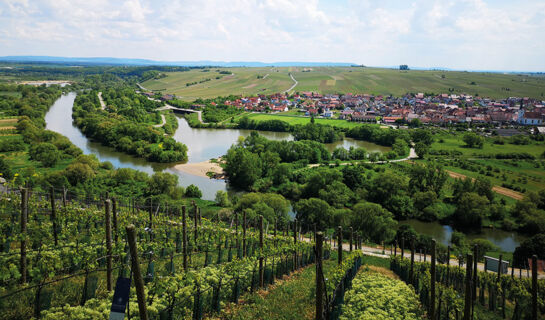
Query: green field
{"type": "Point", "coordinates": [293, 119]}
{"type": "Point", "coordinates": [244, 81]}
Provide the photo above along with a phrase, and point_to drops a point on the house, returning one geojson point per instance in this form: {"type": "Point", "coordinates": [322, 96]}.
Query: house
{"type": "Point", "coordinates": [529, 118]}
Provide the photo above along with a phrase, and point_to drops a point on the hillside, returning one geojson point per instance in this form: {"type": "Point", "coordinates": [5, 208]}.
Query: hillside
{"type": "Point", "coordinates": [251, 81]}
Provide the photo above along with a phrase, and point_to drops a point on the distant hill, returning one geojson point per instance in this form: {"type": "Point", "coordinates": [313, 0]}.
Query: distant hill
{"type": "Point", "coordinates": [145, 62]}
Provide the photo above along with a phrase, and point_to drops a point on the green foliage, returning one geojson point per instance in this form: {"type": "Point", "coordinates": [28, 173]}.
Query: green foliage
{"type": "Point", "coordinates": [242, 167]}
{"type": "Point", "coordinates": [222, 199]}
{"type": "Point", "coordinates": [529, 247]}
{"type": "Point", "coordinates": [273, 207]}
{"type": "Point", "coordinates": [192, 191]}
{"type": "Point", "coordinates": [375, 296]}
{"type": "Point", "coordinates": [316, 132]}
{"type": "Point", "coordinates": [470, 211]}
{"type": "Point", "coordinates": [46, 153]}
{"type": "Point", "coordinates": [314, 211]}
{"type": "Point", "coordinates": [472, 140]}
{"type": "Point", "coordinates": [373, 221]}
{"type": "Point", "coordinates": [421, 149]}
{"type": "Point", "coordinates": [124, 125]}
{"type": "Point", "coordinates": [5, 170]}
{"type": "Point", "coordinates": [385, 137]}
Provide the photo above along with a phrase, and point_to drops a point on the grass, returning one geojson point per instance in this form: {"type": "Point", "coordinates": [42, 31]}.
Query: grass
{"type": "Point", "coordinates": [294, 119]}
{"type": "Point", "coordinates": [355, 80]}
{"type": "Point", "coordinates": [293, 298]}
{"type": "Point", "coordinates": [520, 175]}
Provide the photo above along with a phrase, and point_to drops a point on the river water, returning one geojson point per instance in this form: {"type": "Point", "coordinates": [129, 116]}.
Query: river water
{"type": "Point", "coordinates": [204, 144]}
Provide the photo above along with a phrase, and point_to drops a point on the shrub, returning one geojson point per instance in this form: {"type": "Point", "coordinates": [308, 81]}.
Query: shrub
{"type": "Point", "coordinates": [375, 296]}
{"type": "Point", "coordinates": [192, 191]}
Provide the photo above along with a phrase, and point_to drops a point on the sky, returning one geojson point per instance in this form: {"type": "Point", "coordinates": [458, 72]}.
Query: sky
{"type": "Point", "coordinates": [464, 35]}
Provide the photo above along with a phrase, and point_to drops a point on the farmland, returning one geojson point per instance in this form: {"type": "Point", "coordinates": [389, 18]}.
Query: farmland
{"type": "Point", "coordinates": [357, 80]}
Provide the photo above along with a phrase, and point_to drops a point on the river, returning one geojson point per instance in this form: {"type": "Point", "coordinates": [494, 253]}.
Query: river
{"type": "Point", "coordinates": [204, 144]}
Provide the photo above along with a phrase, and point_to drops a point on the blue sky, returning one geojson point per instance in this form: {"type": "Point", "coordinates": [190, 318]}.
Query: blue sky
{"type": "Point", "coordinates": [469, 34]}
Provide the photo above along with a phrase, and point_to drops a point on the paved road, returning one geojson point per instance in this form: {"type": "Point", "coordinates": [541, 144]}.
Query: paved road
{"type": "Point", "coordinates": [377, 252]}
{"type": "Point", "coordinates": [295, 83]}
{"type": "Point", "coordinates": [412, 155]}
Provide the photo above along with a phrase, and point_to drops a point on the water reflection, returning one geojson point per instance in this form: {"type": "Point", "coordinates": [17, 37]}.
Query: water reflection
{"type": "Point", "coordinates": [506, 240]}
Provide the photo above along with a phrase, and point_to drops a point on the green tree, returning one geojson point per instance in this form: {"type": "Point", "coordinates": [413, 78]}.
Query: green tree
{"type": "Point", "coordinates": [242, 167]}
{"type": "Point", "coordinates": [429, 177]}
{"type": "Point", "coordinates": [78, 173]}
{"type": "Point", "coordinates": [421, 149]}
{"type": "Point", "coordinates": [222, 199]}
{"type": "Point", "coordinates": [5, 170]}
{"type": "Point", "coordinates": [374, 221]}
{"type": "Point", "coordinates": [472, 140]}
{"type": "Point", "coordinates": [192, 191]}
{"type": "Point", "coordinates": [529, 247]}
{"type": "Point", "coordinates": [313, 210]}
{"type": "Point", "coordinates": [46, 153]}
{"type": "Point", "coordinates": [470, 210]}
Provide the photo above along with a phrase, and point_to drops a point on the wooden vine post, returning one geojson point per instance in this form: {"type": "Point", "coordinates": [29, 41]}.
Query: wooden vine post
{"type": "Point", "coordinates": [468, 299]}
{"type": "Point", "coordinates": [24, 217]}
{"type": "Point", "coordinates": [54, 215]}
{"type": "Point", "coordinates": [236, 231]}
{"type": "Point", "coordinates": [114, 218]}
{"type": "Point", "coordinates": [151, 219]}
{"type": "Point", "coordinates": [448, 265]}
{"type": "Point", "coordinates": [64, 197]}
{"type": "Point", "coordinates": [320, 290]}
{"type": "Point", "coordinates": [261, 271]}
{"type": "Point", "coordinates": [294, 242]}
{"type": "Point", "coordinates": [195, 224]}
{"type": "Point", "coordinates": [340, 245]}
{"type": "Point", "coordinates": [411, 272]}
{"type": "Point", "coordinates": [534, 287]}
{"type": "Point", "coordinates": [351, 237]}
{"type": "Point", "coordinates": [244, 234]}
{"type": "Point", "coordinates": [184, 237]}
{"type": "Point", "coordinates": [108, 245]}
{"type": "Point", "coordinates": [432, 280]}
{"type": "Point", "coordinates": [138, 281]}
{"type": "Point", "coordinates": [402, 248]}
{"type": "Point", "coordinates": [474, 292]}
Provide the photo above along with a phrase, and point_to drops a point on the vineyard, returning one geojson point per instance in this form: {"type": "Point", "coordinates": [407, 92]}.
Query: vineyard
{"type": "Point", "coordinates": [452, 292]}
{"type": "Point", "coordinates": [60, 257]}
{"type": "Point", "coordinates": [69, 257]}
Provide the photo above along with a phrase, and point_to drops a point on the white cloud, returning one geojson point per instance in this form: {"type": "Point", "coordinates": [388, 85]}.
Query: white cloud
{"type": "Point", "coordinates": [467, 34]}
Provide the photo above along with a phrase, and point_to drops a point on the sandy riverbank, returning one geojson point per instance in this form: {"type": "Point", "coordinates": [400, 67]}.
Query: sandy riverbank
{"type": "Point", "coordinates": [201, 168]}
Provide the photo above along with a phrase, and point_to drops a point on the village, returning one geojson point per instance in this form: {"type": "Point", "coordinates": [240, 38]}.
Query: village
{"type": "Point", "coordinates": [421, 108]}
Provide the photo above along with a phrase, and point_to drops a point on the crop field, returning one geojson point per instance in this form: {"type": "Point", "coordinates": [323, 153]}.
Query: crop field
{"type": "Point", "coordinates": [357, 80]}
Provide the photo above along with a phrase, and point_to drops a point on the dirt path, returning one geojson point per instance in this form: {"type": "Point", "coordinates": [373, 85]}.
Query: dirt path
{"type": "Point", "coordinates": [501, 190]}
{"type": "Point", "coordinates": [102, 104]}
{"type": "Point", "coordinates": [163, 122]}
{"type": "Point", "coordinates": [295, 83]}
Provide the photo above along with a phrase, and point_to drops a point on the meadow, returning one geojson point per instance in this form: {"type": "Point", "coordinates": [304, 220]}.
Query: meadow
{"type": "Point", "coordinates": [294, 119]}
{"type": "Point", "coordinates": [356, 80]}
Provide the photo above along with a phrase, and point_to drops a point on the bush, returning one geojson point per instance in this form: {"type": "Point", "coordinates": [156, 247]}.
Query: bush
{"type": "Point", "coordinates": [10, 145]}
{"type": "Point", "coordinates": [46, 153]}
{"type": "Point", "coordinates": [192, 191]}
{"type": "Point", "coordinates": [375, 296]}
